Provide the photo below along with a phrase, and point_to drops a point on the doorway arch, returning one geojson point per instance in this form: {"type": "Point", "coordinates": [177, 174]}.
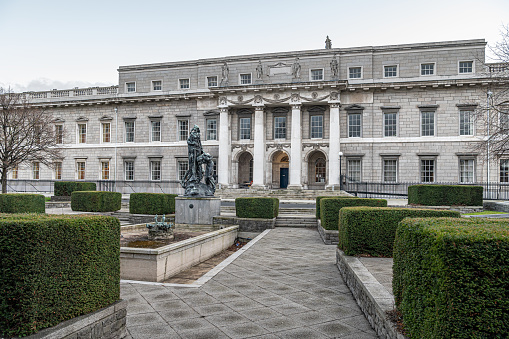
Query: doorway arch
{"type": "Point", "coordinates": [245, 170]}
{"type": "Point", "coordinates": [317, 170]}
{"type": "Point", "coordinates": [280, 168]}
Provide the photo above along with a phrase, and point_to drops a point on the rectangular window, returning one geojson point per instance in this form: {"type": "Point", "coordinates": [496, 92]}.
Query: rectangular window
{"type": "Point", "coordinates": [129, 170]}
{"type": "Point", "coordinates": [355, 72]}
{"type": "Point", "coordinates": [80, 168]}
{"type": "Point", "coordinates": [316, 74]}
{"type": "Point", "coordinates": [59, 134]}
{"type": "Point", "coordinates": [58, 170]}
{"type": "Point", "coordinates": [466, 123]}
{"type": "Point", "coordinates": [390, 170]}
{"type": "Point", "coordinates": [211, 129]}
{"type": "Point", "coordinates": [82, 133]}
{"type": "Point", "coordinates": [504, 121]}
{"type": "Point", "coordinates": [36, 168]}
{"type": "Point", "coordinates": [466, 67]}
{"type": "Point", "coordinates": [15, 172]}
{"type": "Point", "coordinates": [183, 130]}
{"type": "Point", "coordinates": [212, 81]}
{"type": "Point", "coordinates": [129, 131]}
{"type": "Point", "coordinates": [105, 170]}
{"type": "Point", "coordinates": [130, 87]}
{"type": "Point", "coordinates": [245, 128]}
{"type": "Point", "coordinates": [428, 69]}
{"type": "Point", "coordinates": [316, 126]}
{"type": "Point", "coordinates": [182, 169]}
{"type": "Point", "coordinates": [390, 71]}
{"type": "Point", "coordinates": [155, 134]}
{"type": "Point", "coordinates": [245, 79]}
{"type": "Point", "coordinates": [354, 125]}
{"type": "Point", "coordinates": [390, 124]}
{"type": "Point", "coordinates": [504, 170]}
{"type": "Point", "coordinates": [466, 170]}
{"type": "Point", "coordinates": [279, 127]}
{"type": "Point", "coordinates": [427, 124]}
{"type": "Point", "coordinates": [106, 132]}
{"type": "Point", "coordinates": [184, 84]}
{"type": "Point", "coordinates": [354, 170]}
{"type": "Point", "coordinates": [155, 170]}
{"type": "Point", "coordinates": [157, 85]}
{"type": "Point", "coordinates": [427, 170]}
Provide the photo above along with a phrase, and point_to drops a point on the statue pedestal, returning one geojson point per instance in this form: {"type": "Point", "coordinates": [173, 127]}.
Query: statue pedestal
{"type": "Point", "coordinates": [196, 211]}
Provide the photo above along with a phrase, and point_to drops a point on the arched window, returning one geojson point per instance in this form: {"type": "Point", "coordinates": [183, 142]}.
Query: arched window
{"type": "Point", "coordinates": [320, 170]}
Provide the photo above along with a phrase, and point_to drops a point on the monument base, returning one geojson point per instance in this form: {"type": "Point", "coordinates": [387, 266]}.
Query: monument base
{"type": "Point", "coordinates": [196, 211]}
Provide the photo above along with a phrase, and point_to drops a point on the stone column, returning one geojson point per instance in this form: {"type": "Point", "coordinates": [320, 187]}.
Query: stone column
{"type": "Point", "coordinates": [259, 148]}
{"type": "Point", "coordinates": [296, 146]}
{"type": "Point", "coordinates": [334, 145]}
{"type": "Point", "coordinates": [223, 165]}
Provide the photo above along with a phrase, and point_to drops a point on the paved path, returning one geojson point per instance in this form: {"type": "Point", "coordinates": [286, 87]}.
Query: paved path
{"type": "Point", "coordinates": [285, 286]}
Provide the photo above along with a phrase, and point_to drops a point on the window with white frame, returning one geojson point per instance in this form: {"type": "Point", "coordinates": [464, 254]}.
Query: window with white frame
{"type": "Point", "coordinates": [427, 170]}
{"type": "Point", "coordinates": [245, 128]}
{"type": "Point", "coordinates": [427, 123]}
{"type": "Point", "coordinates": [354, 125]}
{"type": "Point", "coordinates": [155, 130]}
{"type": "Point", "coordinates": [355, 72]}
{"type": "Point", "coordinates": [504, 170]}
{"type": "Point", "coordinates": [15, 172]}
{"type": "Point", "coordinates": [130, 87]}
{"type": "Point", "coordinates": [465, 67]}
{"type": "Point", "coordinates": [211, 129]}
{"type": "Point", "coordinates": [157, 85]}
{"type": "Point", "coordinates": [316, 74]}
{"type": "Point", "coordinates": [466, 122]}
{"type": "Point", "coordinates": [428, 69]}
{"type": "Point", "coordinates": [106, 132]}
{"type": "Point", "coordinates": [320, 170]}
{"type": "Point", "coordinates": [183, 166]}
{"type": "Point", "coordinates": [59, 134]}
{"type": "Point", "coordinates": [390, 71]}
{"type": "Point", "coordinates": [390, 170]}
{"type": "Point", "coordinates": [390, 124]}
{"type": "Point", "coordinates": [36, 170]}
{"type": "Point", "coordinates": [245, 79]}
{"type": "Point", "coordinates": [58, 170]}
{"type": "Point", "coordinates": [155, 170]}
{"type": "Point", "coordinates": [279, 127]}
{"type": "Point", "coordinates": [105, 170]}
{"type": "Point", "coordinates": [80, 170]}
{"type": "Point", "coordinates": [212, 81]}
{"type": "Point", "coordinates": [183, 129]}
{"type": "Point", "coordinates": [82, 133]}
{"type": "Point", "coordinates": [354, 169]}
{"type": "Point", "coordinates": [467, 170]}
{"type": "Point", "coordinates": [184, 83]}
{"type": "Point", "coordinates": [316, 126]}
{"type": "Point", "coordinates": [504, 121]}
{"type": "Point", "coordinates": [129, 170]}
{"type": "Point", "coordinates": [129, 131]}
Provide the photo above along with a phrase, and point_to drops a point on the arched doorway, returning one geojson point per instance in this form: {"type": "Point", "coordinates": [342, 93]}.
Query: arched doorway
{"type": "Point", "coordinates": [245, 174]}
{"type": "Point", "coordinates": [317, 170]}
{"type": "Point", "coordinates": [280, 165]}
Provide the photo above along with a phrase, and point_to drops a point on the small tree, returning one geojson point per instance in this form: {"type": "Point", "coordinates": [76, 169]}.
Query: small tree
{"type": "Point", "coordinates": [26, 134]}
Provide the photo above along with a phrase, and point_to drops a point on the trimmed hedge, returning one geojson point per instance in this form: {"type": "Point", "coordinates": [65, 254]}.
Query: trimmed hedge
{"type": "Point", "coordinates": [263, 208]}
{"type": "Point", "coordinates": [329, 209]}
{"type": "Point", "coordinates": [54, 268]}
{"type": "Point", "coordinates": [317, 204]}
{"type": "Point", "coordinates": [451, 277]}
{"type": "Point", "coordinates": [96, 201]}
{"type": "Point", "coordinates": [445, 195]}
{"type": "Point", "coordinates": [152, 203]}
{"type": "Point", "coordinates": [22, 203]}
{"type": "Point", "coordinates": [65, 188]}
{"type": "Point", "coordinates": [371, 230]}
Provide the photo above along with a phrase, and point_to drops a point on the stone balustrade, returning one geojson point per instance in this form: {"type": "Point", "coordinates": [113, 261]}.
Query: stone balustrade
{"type": "Point", "coordinates": [77, 92]}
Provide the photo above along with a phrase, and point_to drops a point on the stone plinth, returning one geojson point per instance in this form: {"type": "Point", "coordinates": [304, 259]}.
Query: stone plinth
{"type": "Point", "coordinates": [196, 211]}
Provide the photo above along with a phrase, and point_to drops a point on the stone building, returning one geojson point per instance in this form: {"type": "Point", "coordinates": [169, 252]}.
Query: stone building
{"type": "Point", "coordinates": [401, 113]}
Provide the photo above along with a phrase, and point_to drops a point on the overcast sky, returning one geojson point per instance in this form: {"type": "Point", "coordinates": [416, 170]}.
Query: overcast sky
{"type": "Point", "coordinates": [65, 44]}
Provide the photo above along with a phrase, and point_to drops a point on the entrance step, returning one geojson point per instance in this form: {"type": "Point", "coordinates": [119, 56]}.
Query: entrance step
{"type": "Point", "coordinates": [282, 211]}
{"type": "Point", "coordinates": [296, 221]}
{"type": "Point", "coordinates": [282, 194]}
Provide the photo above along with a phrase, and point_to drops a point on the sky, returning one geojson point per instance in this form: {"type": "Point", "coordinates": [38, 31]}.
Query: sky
{"type": "Point", "coordinates": [66, 44]}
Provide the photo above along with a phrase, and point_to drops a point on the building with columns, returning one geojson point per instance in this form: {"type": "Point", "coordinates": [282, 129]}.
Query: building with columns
{"type": "Point", "coordinates": [401, 113]}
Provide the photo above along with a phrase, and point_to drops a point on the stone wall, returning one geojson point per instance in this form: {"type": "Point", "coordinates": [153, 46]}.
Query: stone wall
{"type": "Point", "coordinates": [329, 237]}
{"type": "Point", "coordinates": [246, 224]}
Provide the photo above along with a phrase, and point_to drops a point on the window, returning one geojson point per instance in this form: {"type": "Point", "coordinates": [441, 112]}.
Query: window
{"type": "Point", "coordinates": [390, 124]}
{"type": "Point", "coordinates": [129, 131]}
{"type": "Point", "coordinates": [390, 170]}
{"type": "Point", "coordinates": [427, 170]}
{"type": "Point", "coordinates": [316, 126]}
{"type": "Point", "coordinates": [58, 170]}
{"type": "Point", "coordinates": [316, 74]}
{"type": "Point", "coordinates": [59, 134]}
{"type": "Point", "coordinates": [354, 169]}
{"type": "Point", "coordinates": [466, 123]}
{"type": "Point", "coordinates": [466, 67]}
{"type": "Point", "coordinates": [183, 130]}
{"type": "Point", "coordinates": [157, 85]}
{"type": "Point", "coordinates": [155, 170]}
{"type": "Point", "coordinates": [105, 170]}
{"type": "Point", "coordinates": [82, 133]}
{"type": "Point", "coordinates": [466, 170]}
{"type": "Point", "coordinates": [130, 87]}
{"type": "Point", "coordinates": [155, 134]}
{"type": "Point", "coordinates": [354, 125]}
{"type": "Point", "coordinates": [245, 79]}
{"type": "Point", "coordinates": [36, 168]}
{"type": "Point", "coordinates": [427, 124]}
{"type": "Point", "coordinates": [80, 169]}
{"type": "Point", "coordinates": [355, 72]}
{"type": "Point", "coordinates": [106, 131]}
{"type": "Point", "coordinates": [279, 127]}
{"type": "Point", "coordinates": [428, 69]}
{"type": "Point", "coordinates": [212, 81]}
{"type": "Point", "coordinates": [129, 170]}
{"type": "Point", "coordinates": [182, 169]}
{"type": "Point", "coordinates": [320, 170]}
{"type": "Point", "coordinates": [504, 121]}
{"type": "Point", "coordinates": [245, 128]}
{"type": "Point", "coordinates": [15, 172]}
{"type": "Point", "coordinates": [211, 129]}
{"type": "Point", "coordinates": [390, 71]}
{"type": "Point", "coordinates": [184, 84]}
{"type": "Point", "coordinates": [504, 170]}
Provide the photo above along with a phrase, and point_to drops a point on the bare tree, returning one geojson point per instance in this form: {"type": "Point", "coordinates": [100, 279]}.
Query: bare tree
{"type": "Point", "coordinates": [26, 134]}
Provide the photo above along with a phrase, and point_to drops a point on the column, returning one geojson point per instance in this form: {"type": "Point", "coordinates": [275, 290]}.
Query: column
{"type": "Point", "coordinates": [259, 148]}
{"type": "Point", "coordinates": [295, 152]}
{"type": "Point", "coordinates": [223, 166]}
{"type": "Point", "coordinates": [334, 145]}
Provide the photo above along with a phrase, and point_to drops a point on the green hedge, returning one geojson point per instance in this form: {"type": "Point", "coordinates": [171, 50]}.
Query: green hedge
{"type": "Point", "coordinates": [22, 203]}
{"type": "Point", "coordinates": [329, 209]}
{"type": "Point", "coordinates": [152, 203]}
{"type": "Point", "coordinates": [371, 230]}
{"type": "Point", "coordinates": [445, 195]}
{"type": "Point", "coordinates": [54, 268]}
{"type": "Point", "coordinates": [451, 277]}
{"type": "Point", "coordinates": [96, 201]}
{"type": "Point", "coordinates": [265, 208]}
{"type": "Point", "coordinates": [65, 188]}
{"type": "Point", "coordinates": [317, 204]}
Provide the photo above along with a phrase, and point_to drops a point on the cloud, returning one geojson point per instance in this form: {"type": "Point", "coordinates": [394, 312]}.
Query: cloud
{"type": "Point", "coordinates": [44, 84]}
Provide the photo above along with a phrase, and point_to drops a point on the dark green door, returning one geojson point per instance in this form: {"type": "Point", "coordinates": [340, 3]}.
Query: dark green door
{"type": "Point", "coordinates": [283, 177]}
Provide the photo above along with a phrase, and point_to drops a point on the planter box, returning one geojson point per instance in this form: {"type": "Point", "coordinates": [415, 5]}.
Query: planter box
{"type": "Point", "coordinates": [329, 237]}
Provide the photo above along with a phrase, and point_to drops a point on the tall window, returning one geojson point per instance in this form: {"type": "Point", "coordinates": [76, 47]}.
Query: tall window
{"type": "Point", "coordinates": [466, 67]}
{"type": "Point", "coordinates": [504, 170]}
{"type": "Point", "coordinates": [279, 127]}
{"type": "Point", "coordinates": [355, 72]}
{"type": "Point", "coordinates": [428, 69]}
{"type": "Point", "coordinates": [316, 74]}
{"type": "Point", "coordinates": [80, 168]}
{"type": "Point", "coordinates": [183, 129]}
{"type": "Point", "coordinates": [211, 129]}
{"type": "Point", "coordinates": [466, 123]}
{"type": "Point", "coordinates": [320, 170]}
{"type": "Point", "coordinates": [427, 170]}
{"type": "Point", "coordinates": [504, 121]}
{"type": "Point", "coordinates": [36, 168]}
{"type": "Point", "coordinates": [105, 170]}
{"type": "Point", "coordinates": [183, 166]}
{"type": "Point", "coordinates": [212, 81]}
{"type": "Point", "coordinates": [106, 132]}
{"type": "Point", "coordinates": [15, 172]}
{"type": "Point", "coordinates": [390, 124]}
{"type": "Point", "coordinates": [157, 85]}
{"type": "Point", "coordinates": [82, 133]}
{"type": "Point", "coordinates": [245, 128]}
{"type": "Point", "coordinates": [354, 169]}
{"type": "Point", "coordinates": [317, 126]}
{"type": "Point", "coordinates": [390, 170]}
{"type": "Point", "coordinates": [155, 133]}
{"type": "Point", "coordinates": [59, 134]}
{"type": "Point", "coordinates": [184, 84]}
{"type": "Point", "coordinates": [427, 124]}
{"type": "Point", "coordinates": [245, 79]}
{"type": "Point", "coordinates": [354, 125]}
{"type": "Point", "coordinates": [129, 170]}
{"type": "Point", "coordinates": [130, 87]}
{"type": "Point", "coordinates": [390, 71]}
{"type": "Point", "coordinates": [129, 131]}
{"type": "Point", "coordinates": [58, 170]}
{"type": "Point", "coordinates": [155, 170]}
{"type": "Point", "coordinates": [466, 170]}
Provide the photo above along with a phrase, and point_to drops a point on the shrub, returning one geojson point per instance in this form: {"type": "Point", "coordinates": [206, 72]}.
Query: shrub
{"type": "Point", "coordinates": [329, 209]}
{"type": "Point", "coordinates": [96, 201]}
{"type": "Point", "coordinates": [22, 203]}
{"type": "Point", "coordinates": [265, 208]}
{"type": "Point", "coordinates": [445, 195]}
{"type": "Point", "coordinates": [54, 268]}
{"type": "Point", "coordinates": [152, 203]}
{"type": "Point", "coordinates": [371, 230]}
{"type": "Point", "coordinates": [65, 188]}
{"type": "Point", "coordinates": [327, 196]}
{"type": "Point", "coordinates": [451, 277]}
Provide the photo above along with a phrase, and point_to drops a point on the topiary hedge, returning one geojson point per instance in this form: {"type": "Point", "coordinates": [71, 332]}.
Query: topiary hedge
{"type": "Point", "coordinates": [96, 201]}
{"type": "Point", "coordinates": [451, 277]}
{"type": "Point", "coordinates": [54, 268]}
{"type": "Point", "coordinates": [22, 203]}
{"type": "Point", "coordinates": [317, 204]}
{"type": "Point", "coordinates": [65, 188]}
{"type": "Point", "coordinates": [371, 230]}
{"type": "Point", "coordinates": [445, 195]}
{"type": "Point", "coordinates": [152, 203]}
{"type": "Point", "coordinates": [329, 209]}
{"type": "Point", "coordinates": [264, 208]}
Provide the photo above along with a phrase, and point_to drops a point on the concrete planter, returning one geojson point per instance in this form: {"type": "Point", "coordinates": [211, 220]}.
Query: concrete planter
{"type": "Point", "coordinates": [329, 237]}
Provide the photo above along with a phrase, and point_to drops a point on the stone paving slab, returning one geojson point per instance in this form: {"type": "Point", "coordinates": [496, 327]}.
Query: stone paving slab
{"type": "Point", "coordinates": [286, 285]}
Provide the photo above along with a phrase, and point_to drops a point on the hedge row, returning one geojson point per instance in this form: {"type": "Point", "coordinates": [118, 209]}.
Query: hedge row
{"type": "Point", "coordinates": [371, 230]}
{"type": "Point", "coordinates": [317, 204]}
{"type": "Point", "coordinates": [65, 188]}
{"type": "Point", "coordinates": [152, 203]}
{"type": "Point", "coordinates": [329, 209]}
{"type": "Point", "coordinates": [54, 268]}
{"type": "Point", "coordinates": [264, 208]}
{"type": "Point", "coordinates": [451, 277]}
{"type": "Point", "coordinates": [22, 203]}
{"type": "Point", "coordinates": [445, 195]}
{"type": "Point", "coordinates": [96, 201]}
